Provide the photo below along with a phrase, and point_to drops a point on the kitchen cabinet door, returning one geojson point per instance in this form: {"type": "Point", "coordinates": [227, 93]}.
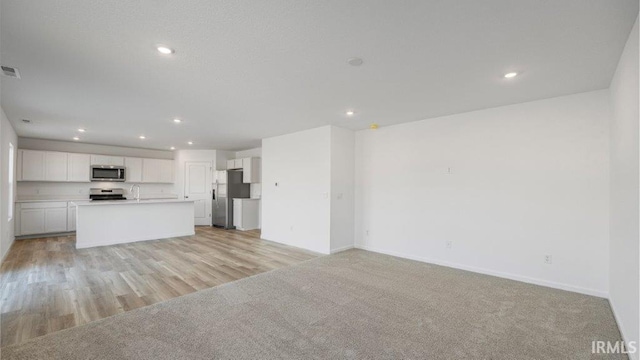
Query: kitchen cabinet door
{"type": "Point", "coordinates": [19, 166]}
{"type": "Point", "coordinates": [237, 164]}
{"type": "Point", "coordinates": [33, 165]}
{"type": "Point", "coordinates": [133, 169]}
{"type": "Point", "coordinates": [237, 213]}
{"type": "Point", "coordinates": [166, 171]}
{"type": "Point", "coordinates": [79, 166]}
{"type": "Point", "coordinates": [150, 170]}
{"type": "Point", "coordinates": [55, 166]}
{"type": "Point", "coordinates": [55, 220]}
{"type": "Point", "coordinates": [31, 221]}
{"type": "Point", "coordinates": [251, 170]}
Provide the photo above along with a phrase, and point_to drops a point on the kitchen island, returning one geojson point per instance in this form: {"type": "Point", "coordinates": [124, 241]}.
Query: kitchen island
{"type": "Point", "coordinates": [100, 223]}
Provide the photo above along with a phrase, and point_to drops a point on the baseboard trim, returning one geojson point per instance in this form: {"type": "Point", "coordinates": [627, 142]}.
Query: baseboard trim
{"type": "Point", "coordinates": [341, 249]}
{"type": "Point", "coordinates": [632, 356]}
{"type": "Point", "coordinates": [40, 236]}
{"type": "Point", "coordinates": [4, 256]}
{"type": "Point", "coordinates": [484, 271]}
{"type": "Point", "coordinates": [293, 245]}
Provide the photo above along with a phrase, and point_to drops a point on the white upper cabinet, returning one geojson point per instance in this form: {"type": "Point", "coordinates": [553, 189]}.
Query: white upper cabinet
{"type": "Point", "coordinates": [78, 169]}
{"type": "Point", "coordinates": [19, 166]}
{"type": "Point", "coordinates": [42, 166]}
{"type": "Point", "coordinates": [107, 160]}
{"type": "Point", "coordinates": [234, 164]}
{"type": "Point", "coordinates": [55, 166]}
{"type": "Point", "coordinates": [251, 170]}
{"type": "Point", "coordinates": [134, 169]}
{"type": "Point", "coordinates": [32, 165]}
{"type": "Point", "coordinates": [157, 171]}
{"type": "Point", "coordinates": [166, 171]}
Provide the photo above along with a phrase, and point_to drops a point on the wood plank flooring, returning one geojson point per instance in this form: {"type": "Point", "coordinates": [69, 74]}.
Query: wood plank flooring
{"type": "Point", "coordinates": [47, 285]}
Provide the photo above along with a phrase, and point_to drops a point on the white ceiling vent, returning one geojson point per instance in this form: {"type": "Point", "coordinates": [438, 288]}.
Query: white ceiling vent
{"type": "Point", "coordinates": [10, 72]}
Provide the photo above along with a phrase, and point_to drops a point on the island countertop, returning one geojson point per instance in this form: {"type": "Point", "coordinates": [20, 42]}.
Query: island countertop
{"type": "Point", "coordinates": [129, 202]}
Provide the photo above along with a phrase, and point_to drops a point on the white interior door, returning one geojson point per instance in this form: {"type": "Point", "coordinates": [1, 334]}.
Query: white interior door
{"type": "Point", "coordinates": [197, 187]}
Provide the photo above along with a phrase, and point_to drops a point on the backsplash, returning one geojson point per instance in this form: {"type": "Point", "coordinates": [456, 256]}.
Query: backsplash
{"type": "Point", "coordinates": [34, 190]}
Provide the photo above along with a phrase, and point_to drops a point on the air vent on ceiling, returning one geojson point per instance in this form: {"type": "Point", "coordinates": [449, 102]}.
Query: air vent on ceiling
{"type": "Point", "coordinates": [10, 72]}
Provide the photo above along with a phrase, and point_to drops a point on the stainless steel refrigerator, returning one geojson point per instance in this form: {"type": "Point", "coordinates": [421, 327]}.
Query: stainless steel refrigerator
{"type": "Point", "coordinates": [228, 186]}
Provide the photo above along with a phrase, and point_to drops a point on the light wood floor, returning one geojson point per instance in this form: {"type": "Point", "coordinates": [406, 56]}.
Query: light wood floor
{"type": "Point", "coordinates": [47, 285]}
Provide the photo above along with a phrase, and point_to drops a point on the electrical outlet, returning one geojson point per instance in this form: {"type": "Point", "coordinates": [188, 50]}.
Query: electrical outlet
{"type": "Point", "coordinates": [548, 259]}
{"type": "Point", "coordinates": [291, 228]}
{"type": "Point", "coordinates": [367, 232]}
{"type": "Point", "coordinates": [449, 244]}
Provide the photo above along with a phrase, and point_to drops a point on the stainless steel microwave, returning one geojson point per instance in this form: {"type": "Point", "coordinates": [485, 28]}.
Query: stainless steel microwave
{"type": "Point", "coordinates": [107, 173]}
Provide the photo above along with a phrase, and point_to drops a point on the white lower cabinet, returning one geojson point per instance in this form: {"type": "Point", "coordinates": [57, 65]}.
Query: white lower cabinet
{"type": "Point", "coordinates": [55, 220]}
{"type": "Point", "coordinates": [246, 214]}
{"type": "Point", "coordinates": [45, 218]}
{"type": "Point", "coordinates": [31, 221]}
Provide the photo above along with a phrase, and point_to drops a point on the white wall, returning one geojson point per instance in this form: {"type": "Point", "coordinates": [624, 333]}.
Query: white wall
{"type": "Point", "coordinates": [342, 188]}
{"type": "Point", "coordinates": [222, 157]}
{"type": "Point", "coordinates": [255, 152]}
{"type": "Point", "coordinates": [7, 135]}
{"type": "Point", "coordinates": [526, 181]}
{"type": "Point", "coordinates": [297, 211]}
{"type": "Point", "coordinates": [625, 204]}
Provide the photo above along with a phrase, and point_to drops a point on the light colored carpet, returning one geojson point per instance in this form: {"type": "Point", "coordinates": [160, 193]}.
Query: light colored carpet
{"type": "Point", "coordinates": [352, 305]}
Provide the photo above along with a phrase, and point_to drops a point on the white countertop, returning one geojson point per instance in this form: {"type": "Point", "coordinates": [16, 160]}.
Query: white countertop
{"type": "Point", "coordinates": [81, 198]}
{"type": "Point", "coordinates": [247, 199]}
{"type": "Point", "coordinates": [131, 202]}
{"type": "Point", "coordinates": [32, 200]}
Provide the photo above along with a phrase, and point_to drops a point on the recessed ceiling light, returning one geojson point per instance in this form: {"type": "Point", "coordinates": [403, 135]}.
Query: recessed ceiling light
{"type": "Point", "coordinates": [172, 148]}
{"type": "Point", "coordinates": [142, 137]}
{"type": "Point", "coordinates": [510, 75]}
{"type": "Point", "coordinates": [177, 121]}
{"type": "Point", "coordinates": [81, 130]}
{"type": "Point", "coordinates": [165, 50]}
{"type": "Point", "coordinates": [355, 61]}
{"type": "Point", "coordinates": [350, 112]}
{"type": "Point", "coordinates": [76, 138]}
{"type": "Point", "coordinates": [190, 143]}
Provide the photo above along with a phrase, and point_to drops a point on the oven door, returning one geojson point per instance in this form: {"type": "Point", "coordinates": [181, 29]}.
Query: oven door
{"type": "Point", "coordinates": [107, 173]}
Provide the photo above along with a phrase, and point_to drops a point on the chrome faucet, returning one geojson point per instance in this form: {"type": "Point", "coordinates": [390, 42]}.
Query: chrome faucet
{"type": "Point", "coordinates": [137, 197]}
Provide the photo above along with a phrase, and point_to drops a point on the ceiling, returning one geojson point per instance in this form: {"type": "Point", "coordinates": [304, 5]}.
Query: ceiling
{"type": "Point", "coordinates": [246, 70]}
